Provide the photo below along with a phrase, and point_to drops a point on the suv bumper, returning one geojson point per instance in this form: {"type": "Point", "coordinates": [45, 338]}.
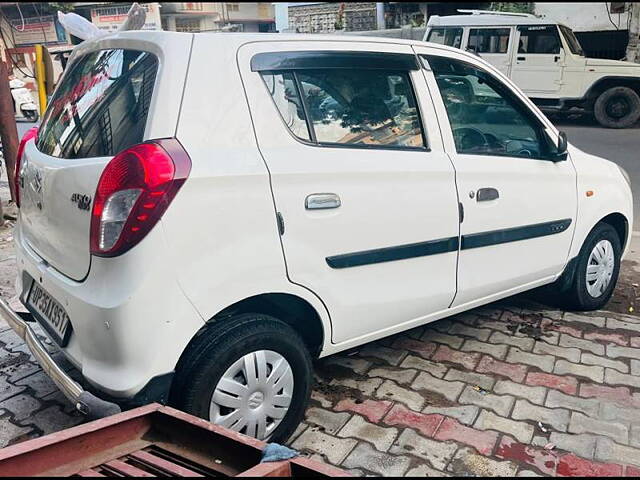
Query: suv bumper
{"type": "Point", "coordinates": [84, 401]}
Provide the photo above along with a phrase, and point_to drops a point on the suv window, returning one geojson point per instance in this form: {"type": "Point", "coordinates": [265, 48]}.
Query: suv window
{"type": "Point", "coordinates": [539, 39]}
{"type": "Point", "coordinates": [364, 108]}
{"type": "Point", "coordinates": [489, 40]}
{"type": "Point", "coordinates": [486, 117]}
{"type": "Point", "coordinates": [100, 106]}
{"type": "Point", "coordinates": [572, 41]}
{"type": "Point", "coordinates": [451, 36]}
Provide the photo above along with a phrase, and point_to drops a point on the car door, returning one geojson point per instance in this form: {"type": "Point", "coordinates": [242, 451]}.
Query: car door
{"type": "Point", "coordinates": [539, 59]}
{"type": "Point", "coordinates": [493, 45]}
{"type": "Point", "coordinates": [363, 188]}
{"type": "Point", "coordinates": [519, 203]}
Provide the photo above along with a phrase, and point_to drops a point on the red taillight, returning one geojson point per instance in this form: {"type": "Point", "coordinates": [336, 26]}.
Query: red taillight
{"type": "Point", "coordinates": [134, 190]}
{"type": "Point", "coordinates": [29, 134]}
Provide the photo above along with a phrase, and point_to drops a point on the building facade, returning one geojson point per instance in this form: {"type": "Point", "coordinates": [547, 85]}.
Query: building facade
{"type": "Point", "coordinates": [219, 16]}
{"type": "Point", "coordinates": [323, 17]}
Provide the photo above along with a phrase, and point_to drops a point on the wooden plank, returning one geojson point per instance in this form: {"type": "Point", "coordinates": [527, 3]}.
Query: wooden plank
{"type": "Point", "coordinates": [162, 464]}
{"type": "Point", "coordinates": [89, 473]}
{"type": "Point", "coordinates": [127, 470]}
{"type": "Point", "coordinates": [269, 469]}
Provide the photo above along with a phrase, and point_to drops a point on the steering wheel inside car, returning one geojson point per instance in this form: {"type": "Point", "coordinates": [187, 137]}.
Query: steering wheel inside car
{"type": "Point", "coordinates": [469, 139]}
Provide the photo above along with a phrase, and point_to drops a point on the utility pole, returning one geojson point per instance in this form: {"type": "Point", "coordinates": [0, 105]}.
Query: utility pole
{"type": "Point", "coordinates": [8, 129]}
{"type": "Point", "coordinates": [633, 48]}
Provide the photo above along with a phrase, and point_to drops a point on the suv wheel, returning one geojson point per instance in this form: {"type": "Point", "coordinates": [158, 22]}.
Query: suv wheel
{"type": "Point", "coordinates": [617, 107]}
{"type": "Point", "coordinates": [251, 373]}
{"type": "Point", "coordinates": [596, 271]}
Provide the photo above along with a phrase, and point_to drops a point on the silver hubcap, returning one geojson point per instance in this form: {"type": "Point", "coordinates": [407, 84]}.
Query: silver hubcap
{"type": "Point", "coordinates": [600, 268]}
{"type": "Point", "coordinates": [254, 394]}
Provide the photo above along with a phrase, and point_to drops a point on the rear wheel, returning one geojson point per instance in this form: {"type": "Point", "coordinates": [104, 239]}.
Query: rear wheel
{"type": "Point", "coordinates": [617, 107]}
{"type": "Point", "coordinates": [251, 374]}
{"type": "Point", "coordinates": [30, 115]}
{"type": "Point", "coordinates": [597, 269]}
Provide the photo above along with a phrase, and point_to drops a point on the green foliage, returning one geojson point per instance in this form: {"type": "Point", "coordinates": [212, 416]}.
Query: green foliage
{"type": "Point", "coordinates": [513, 7]}
{"type": "Point", "coordinates": [63, 7]}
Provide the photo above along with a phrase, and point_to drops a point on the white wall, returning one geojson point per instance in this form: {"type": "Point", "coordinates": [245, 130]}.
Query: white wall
{"type": "Point", "coordinates": [582, 16]}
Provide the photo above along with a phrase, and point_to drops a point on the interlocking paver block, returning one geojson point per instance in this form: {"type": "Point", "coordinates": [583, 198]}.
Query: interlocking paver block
{"type": "Point", "coordinates": [434, 368]}
{"type": "Point", "coordinates": [543, 362]}
{"type": "Point", "coordinates": [472, 378]}
{"type": "Point", "coordinates": [501, 404]}
{"type": "Point", "coordinates": [522, 431]}
{"type": "Point", "coordinates": [21, 406]}
{"type": "Point", "coordinates": [612, 337]}
{"type": "Point", "coordinates": [496, 367]}
{"type": "Point", "coordinates": [523, 343]}
{"type": "Point", "coordinates": [424, 349]}
{"type": "Point", "coordinates": [583, 445]}
{"type": "Point", "coordinates": [390, 391]}
{"type": "Point", "coordinates": [334, 448]}
{"type": "Point", "coordinates": [608, 450]}
{"type": "Point", "coordinates": [571, 354]}
{"type": "Point", "coordinates": [557, 399]}
{"type": "Point", "coordinates": [367, 387]}
{"type": "Point", "coordinates": [572, 317]}
{"type": "Point", "coordinates": [570, 465]}
{"type": "Point", "coordinates": [614, 324]}
{"type": "Point", "coordinates": [330, 421]}
{"type": "Point", "coordinates": [373, 410]}
{"type": "Point", "coordinates": [616, 351]}
{"type": "Point", "coordinates": [403, 417]}
{"type": "Point", "coordinates": [580, 423]}
{"type": "Point", "coordinates": [466, 359]}
{"type": "Point", "coordinates": [594, 373]}
{"type": "Point", "coordinates": [533, 394]}
{"type": "Point", "coordinates": [558, 418]}
{"type": "Point", "coordinates": [405, 375]}
{"type": "Point", "coordinates": [613, 412]}
{"type": "Point", "coordinates": [366, 457]}
{"type": "Point", "coordinates": [359, 428]}
{"type": "Point", "coordinates": [450, 390]}
{"type": "Point", "coordinates": [620, 395]}
{"type": "Point", "coordinates": [481, 334]}
{"type": "Point", "coordinates": [389, 355]}
{"type": "Point", "coordinates": [482, 441]}
{"type": "Point", "coordinates": [541, 459]}
{"type": "Point", "coordinates": [614, 377]}
{"type": "Point", "coordinates": [568, 385]}
{"type": "Point", "coordinates": [465, 414]}
{"type": "Point", "coordinates": [590, 359]}
{"type": "Point", "coordinates": [466, 462]}
{"type": "Point", "coordinates": [498, 351]}
{"type": "Point", "coordinates": [358, 365]}
{"type": "Point", "coordinates": [438, 454]}
{"type": "Point", "coordinates": [439, 337]}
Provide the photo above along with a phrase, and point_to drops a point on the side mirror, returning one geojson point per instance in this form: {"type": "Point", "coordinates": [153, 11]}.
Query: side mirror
{"type": "Point", "coordinates": [561, 149]}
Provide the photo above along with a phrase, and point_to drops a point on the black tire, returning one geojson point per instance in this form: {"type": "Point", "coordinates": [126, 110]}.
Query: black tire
{"type": "Point", "coordinates": [218, 347]}
{"type": "Point", "coordinates": [30, 115]}
{"type": "Point", "coordinates": [577, 296]}
{"type": "Point", "coordinates": [617, 107]}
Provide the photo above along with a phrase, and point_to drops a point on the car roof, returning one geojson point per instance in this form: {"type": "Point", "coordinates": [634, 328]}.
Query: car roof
{"type": "Point", "coordinates": [486, 19]}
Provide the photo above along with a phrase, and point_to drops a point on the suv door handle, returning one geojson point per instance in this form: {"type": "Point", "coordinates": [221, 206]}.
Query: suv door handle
{"type": "Point", "coordinates": [487, 194]}
{"type": "Point", "coordinates": [321, 201]}
{"type": "Point", "coordinates": [521, 59]}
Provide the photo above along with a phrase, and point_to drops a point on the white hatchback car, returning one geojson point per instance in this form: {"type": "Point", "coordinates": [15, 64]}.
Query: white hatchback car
{"type": "Point", "coordinates": [201, 215]}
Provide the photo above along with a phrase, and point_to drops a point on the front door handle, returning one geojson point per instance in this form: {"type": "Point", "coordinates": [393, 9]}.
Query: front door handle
{"type": "Point", "coordinates": [322, 201]}
{"type": "Point", "coordinates": [487, 194]}
{"type": "Point", "coordinates": [521, 59]}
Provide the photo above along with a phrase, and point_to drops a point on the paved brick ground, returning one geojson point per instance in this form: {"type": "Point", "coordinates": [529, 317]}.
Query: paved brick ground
{"type": "Point", "coordinates": [461, 396]}
{"type": "Point", "coordinates": [464, 396]}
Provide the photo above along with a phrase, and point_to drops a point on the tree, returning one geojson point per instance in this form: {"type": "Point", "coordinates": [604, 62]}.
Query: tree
{"type": "Point", "coordinates": [63, 7]}
{"type": "Point", "coordinates": [633, 48]}
{"type": "Point", "coordinates": [512, 7]}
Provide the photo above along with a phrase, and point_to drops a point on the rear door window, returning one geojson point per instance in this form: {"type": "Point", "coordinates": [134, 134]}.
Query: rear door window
{"type": "Point", "coordinates": [101, 105]}
{"type": "Point", "coordinates": [489, 40]}
{"type": "Point", "coordinates": [451, 36]}
{"type": "Point", "coordinates": [539, 39]}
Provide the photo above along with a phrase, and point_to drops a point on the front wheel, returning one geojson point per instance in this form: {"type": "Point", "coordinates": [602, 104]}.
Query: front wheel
{"type": "Point", "coordinates": [251, 374]}
{"type": "Point", "coordinates": [597, 268]}
{"type": "Point", "coordinates": [617, 107]}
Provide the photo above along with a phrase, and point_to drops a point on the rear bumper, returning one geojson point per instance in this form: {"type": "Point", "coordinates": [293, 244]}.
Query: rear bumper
{"type": "Point", "coordinates": [84, 401]}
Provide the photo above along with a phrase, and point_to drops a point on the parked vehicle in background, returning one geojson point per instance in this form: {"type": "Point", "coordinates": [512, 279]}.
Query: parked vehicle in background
{"type": "Point", "coordinates": [197, 231]}
{"type": "Point", "coordinates": [546, 61]}
{"type": "Point", "coordinates": [23, 103]}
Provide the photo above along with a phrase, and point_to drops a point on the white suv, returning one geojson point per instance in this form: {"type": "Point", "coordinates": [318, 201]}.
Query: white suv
{"type": "Point", "coordinates": [201, 215]}
{"type": "Point", "coordinates": [546, 61]}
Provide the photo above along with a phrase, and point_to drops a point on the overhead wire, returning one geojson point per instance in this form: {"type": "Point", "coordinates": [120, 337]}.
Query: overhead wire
{"type": "Point", "coordinates": [6, 44]}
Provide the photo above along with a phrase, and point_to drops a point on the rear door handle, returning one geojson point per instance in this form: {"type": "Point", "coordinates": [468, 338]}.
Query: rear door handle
{"type": "Point", "coordinates": [487, 194]}
{"type": "Point", "coordinates": [322, 201]}
{"type": "Point", "coordinates": [521, 59]}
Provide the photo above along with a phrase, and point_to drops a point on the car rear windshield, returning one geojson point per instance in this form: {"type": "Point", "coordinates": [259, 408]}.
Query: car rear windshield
{"type": "Point", "coordinates": [100, 106]}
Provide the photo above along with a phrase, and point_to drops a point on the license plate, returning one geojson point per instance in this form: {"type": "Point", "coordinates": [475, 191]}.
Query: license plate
{"type": "Point", "coordinates": [49, 313]}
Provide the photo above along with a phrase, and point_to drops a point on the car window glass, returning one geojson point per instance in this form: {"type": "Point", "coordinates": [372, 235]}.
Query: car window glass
{"type": "Point", "coordinates": [446, 36]}
{"type": "Point", "coordinates": [100, 106]}
{"type": "Point", "coordinates": [486, 117]}
{"type": "Point", "coordinates": [539, 39]}
{"type": "Point", "coordinates": [572, 41]}
{"type": "Point", "coordinates": [489, 40]}
{"type": "Point", "coordinates": [361, 107]}
{"type": "Point", "coordinates": [282, 88]}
